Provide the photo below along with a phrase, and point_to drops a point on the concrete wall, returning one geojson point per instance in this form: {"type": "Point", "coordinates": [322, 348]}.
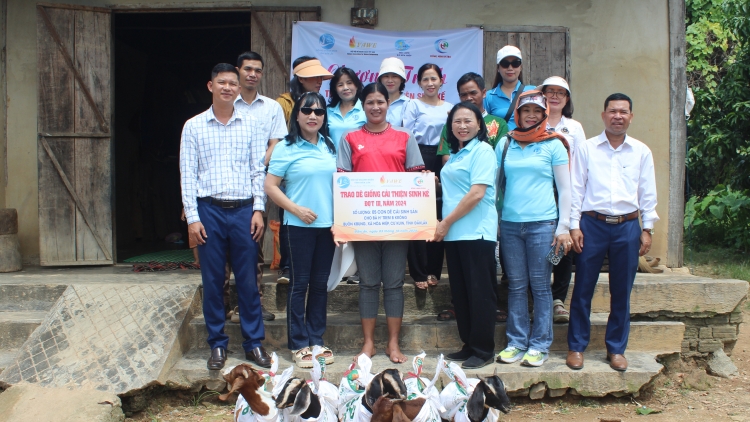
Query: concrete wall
{"type": "Point", "coordinates": [616, 47]}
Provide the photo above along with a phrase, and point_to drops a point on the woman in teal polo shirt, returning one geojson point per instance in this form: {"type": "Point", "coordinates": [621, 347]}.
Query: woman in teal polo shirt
{"type": "Point", "coordinates": [536, 160]}
{"type": "Point", "coordinates": [306, 163]}
{"type": "Point", "coordinates": [507, 86]}
{"type": "Point", "coordinates": [344, 108]}
{"type": "Point", "coordinates": [469, 231]}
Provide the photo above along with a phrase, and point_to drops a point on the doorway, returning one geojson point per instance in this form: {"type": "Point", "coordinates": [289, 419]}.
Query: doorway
{"type": "Point", "coordinates": [162, 64]}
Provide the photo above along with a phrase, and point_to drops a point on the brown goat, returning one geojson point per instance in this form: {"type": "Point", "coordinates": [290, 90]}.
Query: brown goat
{"type": "Point", "coordinates": [386, 409]}
{"type": "Point", "coordinates": [245, 379]}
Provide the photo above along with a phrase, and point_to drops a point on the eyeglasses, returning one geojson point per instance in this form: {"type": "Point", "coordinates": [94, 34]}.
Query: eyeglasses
{"type": "Point", "coordinates": [558, 94]}
{"type": "Point", "coordinates": [307, 110]}
{"type": "Point", "coordinates": [515, 63]}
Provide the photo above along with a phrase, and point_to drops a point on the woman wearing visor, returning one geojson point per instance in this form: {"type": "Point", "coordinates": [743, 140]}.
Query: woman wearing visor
{"type": "Point", "coordinates": [532, 159]}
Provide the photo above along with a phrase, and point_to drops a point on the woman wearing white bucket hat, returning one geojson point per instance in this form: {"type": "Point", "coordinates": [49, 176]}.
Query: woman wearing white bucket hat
{"type": "Point", "coordinates": [500, 100]}
{"type": "Point", "coordinates": [560, 111]}
{"type": "Point", "coordinates": [393, 76]}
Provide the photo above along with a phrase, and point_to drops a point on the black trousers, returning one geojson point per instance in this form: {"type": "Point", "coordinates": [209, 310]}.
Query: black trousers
{"type": "Point", "coordinates": [471, 270]}
{"type": "Point", "coordinates": [562, 273]}
{"type": "Point", "coordinates": [427, 258]}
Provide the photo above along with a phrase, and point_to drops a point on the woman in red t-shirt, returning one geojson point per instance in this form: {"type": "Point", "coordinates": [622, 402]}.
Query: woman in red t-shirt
{"type": "Point", "coordinates": [379, 147]}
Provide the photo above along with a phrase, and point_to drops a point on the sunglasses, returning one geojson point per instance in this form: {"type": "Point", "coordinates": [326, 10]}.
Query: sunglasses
{"type": "Point", "coordinates": [307, 110]}
{"type": "Point", "coordinates": [515, 63]}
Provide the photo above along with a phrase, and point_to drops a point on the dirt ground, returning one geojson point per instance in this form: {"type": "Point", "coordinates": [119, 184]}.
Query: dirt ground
{"type": "Point", "coordinates": [683, 393]}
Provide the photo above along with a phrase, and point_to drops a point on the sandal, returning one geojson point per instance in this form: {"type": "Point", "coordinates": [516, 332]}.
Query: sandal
{"type": "Point", "coordinates": [447, 314]}
{"type": "Point", "coordinates": [235, 318]}
{"type": "Point", "coordinates": [303, 357]}
{"type": "Point", "coordinates": [559, 313]}
{"type": "Point", "coordinates": [327, 354]}
{"type": "Point", "coordinates": [432, 281]}
{"type": "Point", "coordinates": [501, 315]}
{"type": "Point", "coordinates": [421, 285]}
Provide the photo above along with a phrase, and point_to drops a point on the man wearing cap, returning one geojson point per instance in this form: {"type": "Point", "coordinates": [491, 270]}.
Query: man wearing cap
{"type": "Point", "coordinates": [501, 99]}
{"type": "Point", "coordinates": [393, 76]}
{"type": "Point", "coordinates": [222, 176]}
{"type": "Point", "coordinates": [471, 88]}
{"type": "Point", "coordinates": [613, 183]}
{"type": "Point", "coordinates": [269, 114]}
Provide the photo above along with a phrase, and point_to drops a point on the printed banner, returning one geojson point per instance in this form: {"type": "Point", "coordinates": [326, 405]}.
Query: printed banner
{"type": "Point", "coordinates": [455, 51]}
{"type": "Point", "coordinates": [383, 206]}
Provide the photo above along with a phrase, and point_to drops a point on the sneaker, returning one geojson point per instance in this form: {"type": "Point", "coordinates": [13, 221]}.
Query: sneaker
{"type": "Point", "coordinates": [283, 276]}
{"type": "Point", "coordinates": [559, 313]}
{"type": "Point", "coordinates": [354, 279]}
{"type": "Point", "coordinates": [509, 355]}
{"type": "Point", "coordinates": [534, 358]}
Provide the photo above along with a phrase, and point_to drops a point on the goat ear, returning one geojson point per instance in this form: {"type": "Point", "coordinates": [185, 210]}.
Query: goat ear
{"type": "Point", "coordinates": [475, 406]}
{"type": "Point", "coordinates": [244, 373]}
{"type": "Point", "coordinates": [236, 385]}
{"type": "Point", "coordinates": [374, 390]}
{"type": "Point", "coordinates": [302, 401]}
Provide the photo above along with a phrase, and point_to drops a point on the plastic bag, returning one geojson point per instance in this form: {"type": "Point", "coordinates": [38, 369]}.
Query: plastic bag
{"type": "Point", "coordinates": [456, 394]}
{"type": "Point", "coordinates": [351, 389]}
{"type": "Point", "coordinates": [417, 386]}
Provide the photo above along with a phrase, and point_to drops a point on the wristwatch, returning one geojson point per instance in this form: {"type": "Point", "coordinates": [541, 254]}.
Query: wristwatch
{"type": "Point", "coordinates": [650, 231]}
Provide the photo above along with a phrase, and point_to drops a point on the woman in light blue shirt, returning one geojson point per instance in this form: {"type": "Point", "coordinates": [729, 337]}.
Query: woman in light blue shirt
{"type": "Point", "coordinates": [306, 162]}
{"type": "Point", "coordinates": [344, 108]}
{"type": "Point", "coordinates": [425, 118]}
{"type": "Point", "coordinates": [469, 232]}
{"type": "Point", "coordinates": [536, 160]}
{"type": "Point", "coordinates": [393, 77]}
{"type": "Point", "coordinates": [507, 86]}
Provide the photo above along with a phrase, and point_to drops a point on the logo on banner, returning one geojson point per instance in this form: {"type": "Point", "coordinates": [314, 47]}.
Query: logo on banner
{"type": "Point", "coordinates": [402, 45]}
{"type": "Point", "coordinates": [418, 181]}
{"type": "Point", "coordinates": [327, 41]}
{"type": "Point", "coordinates": [343, 182]}
{"type": "Point", "coordinates": [361, 48]}
{"type": "Point", "coordinates": [441, 45]}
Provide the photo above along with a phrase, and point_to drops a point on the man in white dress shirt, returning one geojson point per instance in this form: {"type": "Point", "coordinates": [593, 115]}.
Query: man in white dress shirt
{"type": "Point", "coordinates": [613, 184]}
{"type": "Point", "coordinates": [270, 115]}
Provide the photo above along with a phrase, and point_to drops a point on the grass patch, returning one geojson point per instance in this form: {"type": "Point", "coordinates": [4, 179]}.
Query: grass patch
{"type": "Point", "coordinates": [718, 262]}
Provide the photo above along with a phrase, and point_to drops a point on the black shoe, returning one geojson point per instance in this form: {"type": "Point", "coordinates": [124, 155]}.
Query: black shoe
{"type": "Point", "coordinates": [259, 356]}
{"type": "Point", "coordinates": [461, 355]}
{"type": "Point", "coordinates": [217, 359]}
{"type": "Point", "coordinates": [267, 316]}
{"type": "Point", "coordinates": [476, 363]}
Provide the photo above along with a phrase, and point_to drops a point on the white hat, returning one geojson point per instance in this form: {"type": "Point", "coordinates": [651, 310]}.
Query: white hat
{"type": "Point", "coordinates": [393, 65]}
{"type": "Point", "coordinates": [556, 81]}
{"type": "Point", "coordinates": [508, 50]}
{"type": "Point", "coordinates": [532, 97]}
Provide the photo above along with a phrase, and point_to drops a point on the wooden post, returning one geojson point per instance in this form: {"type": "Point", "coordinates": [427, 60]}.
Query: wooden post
{"type": "Point", "coordinates": [677, 132]}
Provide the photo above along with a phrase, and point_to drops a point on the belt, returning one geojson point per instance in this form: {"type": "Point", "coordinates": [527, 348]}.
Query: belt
{"type": "Point", "coordinates": [227, 203]}
{"type": "Point", "coordinates": [612, 219]}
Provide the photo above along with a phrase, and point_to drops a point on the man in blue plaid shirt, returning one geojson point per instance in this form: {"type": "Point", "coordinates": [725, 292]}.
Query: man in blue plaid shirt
{"type": "Point", "coordinates": [222, 175]}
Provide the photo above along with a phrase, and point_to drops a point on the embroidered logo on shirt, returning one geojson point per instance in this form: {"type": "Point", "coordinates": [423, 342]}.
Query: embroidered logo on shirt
{"type": "Point", "coordinates": [360, 146]}
{"type": "Point", "coordinates": [565, 130]}
{"type": "Point", "coordinates": [492, 129]}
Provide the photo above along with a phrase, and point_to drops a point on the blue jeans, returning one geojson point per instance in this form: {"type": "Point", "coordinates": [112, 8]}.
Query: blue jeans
{"type": "Point", "coordinates": [525, 247]}
{"type": "Point", "coordinates": [310, 256]}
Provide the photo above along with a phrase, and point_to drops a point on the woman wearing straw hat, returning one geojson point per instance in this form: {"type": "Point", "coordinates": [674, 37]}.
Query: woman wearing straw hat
{"type": "Point", "coordinates": [393, 76]}
{"type": "Point", "coordinates": [500, 100]}
{"type": "Point", "coordinates": [531, 158]}
{"type": "Point", "coordinates": [560, 110]}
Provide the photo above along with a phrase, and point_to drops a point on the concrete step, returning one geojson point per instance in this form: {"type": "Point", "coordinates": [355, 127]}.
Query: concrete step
{"type": "Point", "coordinates": [16, 327]}
{"type": "Point", "coordinates": [344, 334]}
{"type": "Point", "coordinates": [651, 293]}
{"type": "Point", "coordinates": [596, 379]}
{"type": "Point", "coordinates": [29, 297]}
{"type": "Point", "coordinates": [7, 357]}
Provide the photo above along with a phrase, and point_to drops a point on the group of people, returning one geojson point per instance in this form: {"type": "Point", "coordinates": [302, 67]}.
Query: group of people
{"type": "Point", "coordinates": [510, 165]}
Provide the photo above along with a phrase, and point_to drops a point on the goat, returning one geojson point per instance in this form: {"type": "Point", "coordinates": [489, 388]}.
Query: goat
{"type": "Point", "coordinates": [297, 395]}
{"type": "Point", "coordinates": [489, 393]}
{"type": "Point", "coordinates": [386, 383]}
{"type": "Point", "coordinates": [244, 379]}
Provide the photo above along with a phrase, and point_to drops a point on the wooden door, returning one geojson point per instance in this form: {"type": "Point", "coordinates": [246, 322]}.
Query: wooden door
{"type": "Point", "coordinates": [271, 37]}
{"type": "Point", "coordinates": [74, 125]}
{"type": "Point", "coordinates": [545, 51]}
